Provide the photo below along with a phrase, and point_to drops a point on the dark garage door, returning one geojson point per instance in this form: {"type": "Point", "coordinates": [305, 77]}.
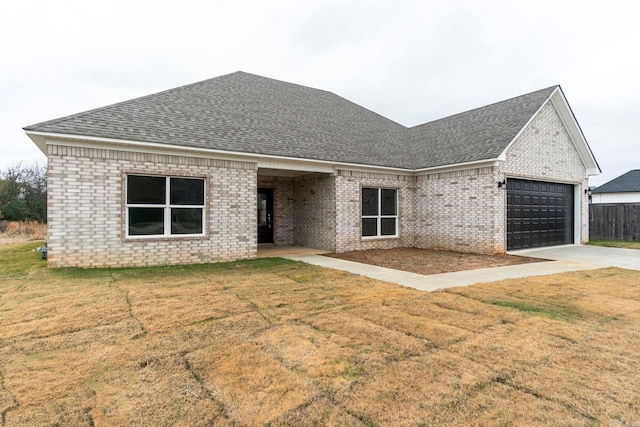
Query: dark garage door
{"type": "Point", "coordinates": [538, 214]}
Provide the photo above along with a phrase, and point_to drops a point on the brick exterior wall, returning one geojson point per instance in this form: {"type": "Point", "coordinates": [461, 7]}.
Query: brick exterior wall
{"type": "Point", "coordinates": [544, 152]}
{"type": "Point", "coordinates": [348, 210]}
{"type": "Point", "coordinates": [460, 211]}
{"type": "Point", "coordinates": [466, 211]}
{"type": "Point", "coordinates": [325, 210]}
{"type": "Point", "coordinates": [86, 214]}
{"type": "Point", "coordinates": [315, 212]}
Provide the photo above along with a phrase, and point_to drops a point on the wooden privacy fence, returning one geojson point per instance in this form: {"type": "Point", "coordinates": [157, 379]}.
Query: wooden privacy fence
{"type": "Point", "coordinates": [614, 222]}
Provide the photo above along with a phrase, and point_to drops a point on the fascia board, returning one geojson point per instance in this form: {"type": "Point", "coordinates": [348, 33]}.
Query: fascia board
{"type": "Point", "coordinates": [262, 160]}
{"type": "Point", "coordinates": [42, 139]}
{"type": "Point", "coordinates": [570, 123]}
{"type": "Point", "coordinates": [458, 166]}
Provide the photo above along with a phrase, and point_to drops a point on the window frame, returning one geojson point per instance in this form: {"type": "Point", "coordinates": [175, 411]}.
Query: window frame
{"type": "Point", "coordinates": [379, 215]}
{"type": "Point", "coordinates": [166, 206]}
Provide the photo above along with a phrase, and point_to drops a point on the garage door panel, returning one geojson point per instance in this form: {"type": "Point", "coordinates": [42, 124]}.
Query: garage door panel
{"type": "Point", "coordinates": [538, 214]}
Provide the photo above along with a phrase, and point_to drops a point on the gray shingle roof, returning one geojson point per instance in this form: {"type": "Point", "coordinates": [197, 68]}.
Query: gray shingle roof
{"type": "Point", "coordinates": [482, 133]}
{"type": "Point", "coordinates": [628, 182]}
{"type": "Point", "coordinates": [242, 112]}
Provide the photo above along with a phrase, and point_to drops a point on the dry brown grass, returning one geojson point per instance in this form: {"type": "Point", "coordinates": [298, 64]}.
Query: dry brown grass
{"type": "Point", "coordinates": [12, 232]}
{"type": "Point", "coordinates": [429, 261]}
{"type": "Point", "coordinates": [615, 244]}
{"type": "Point", "coordinates": [273, 342]}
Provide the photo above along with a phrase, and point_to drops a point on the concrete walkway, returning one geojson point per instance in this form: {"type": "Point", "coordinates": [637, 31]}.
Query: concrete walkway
{"type": "Point", "coordinates": [445, 280]}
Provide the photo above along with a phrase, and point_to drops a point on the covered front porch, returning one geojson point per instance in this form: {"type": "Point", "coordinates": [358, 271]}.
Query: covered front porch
{"type": "Point", "coordinates": [296, 212]}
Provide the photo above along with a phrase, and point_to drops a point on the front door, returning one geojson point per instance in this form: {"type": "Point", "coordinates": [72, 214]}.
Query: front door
{"type": "Point", "coordinates": [265, 215]}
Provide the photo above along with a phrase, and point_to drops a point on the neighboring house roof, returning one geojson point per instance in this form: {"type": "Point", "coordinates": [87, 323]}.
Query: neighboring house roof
{"type": "Point", "coordinates": [626, 183]}
{"type": "Point", "coordinates": [245, 113]}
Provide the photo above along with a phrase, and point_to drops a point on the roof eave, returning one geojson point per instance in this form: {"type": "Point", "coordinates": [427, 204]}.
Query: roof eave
{"type": "Point", "coordinates": [458, 166]}
{"type": "Point", "coordinates": [615, 192]}
{"type": "Point", "coordinates": [42, 139]}
{"type": "Point", "coordinates": [39, 139]}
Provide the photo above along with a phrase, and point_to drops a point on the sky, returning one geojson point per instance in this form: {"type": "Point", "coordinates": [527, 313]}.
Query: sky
{"type": "Point", "coordinates": [411, 61]}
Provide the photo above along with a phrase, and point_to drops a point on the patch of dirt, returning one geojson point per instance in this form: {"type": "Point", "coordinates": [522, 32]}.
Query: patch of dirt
{"type": "Point", "coordinates": [427, 261]}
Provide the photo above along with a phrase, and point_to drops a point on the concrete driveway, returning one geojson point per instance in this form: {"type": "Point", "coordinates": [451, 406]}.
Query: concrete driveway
{"type": "Point", "coordinates": [595, 256]}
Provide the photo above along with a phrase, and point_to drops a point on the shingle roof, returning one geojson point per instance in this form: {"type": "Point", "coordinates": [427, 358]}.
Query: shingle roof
{"type": "Point", "coordinates": [242, 112]}
{"type": "Point", "coordinates": [628, 182]}
{"type": "Point", "coordinates": [482, 133]}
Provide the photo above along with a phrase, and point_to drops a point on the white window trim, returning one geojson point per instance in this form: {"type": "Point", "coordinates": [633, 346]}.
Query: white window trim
{"type": "Point", "coordinates": [167, 209]}
{"type": "Point", "coordinates": [379, 217]}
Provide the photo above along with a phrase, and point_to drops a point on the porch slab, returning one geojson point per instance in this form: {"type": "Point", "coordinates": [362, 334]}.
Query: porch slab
{"type": "Point", "coordinates": [286, 251]}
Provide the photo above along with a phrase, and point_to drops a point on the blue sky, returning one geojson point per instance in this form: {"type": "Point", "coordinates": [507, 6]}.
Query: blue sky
{"type": "Point", "coordinates": [411, 61]}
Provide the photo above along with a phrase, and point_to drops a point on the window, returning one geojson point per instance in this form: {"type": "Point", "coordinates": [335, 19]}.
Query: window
{"type": "Point", "coordinates": [164, 206]}
{"type": "Point", "coordinates": [379, 212]}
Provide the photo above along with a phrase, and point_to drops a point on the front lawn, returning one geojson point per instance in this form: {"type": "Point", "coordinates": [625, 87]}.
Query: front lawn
{"type": "Point", "coordinates": [615, 244]}
{"type": "Point", "coordinates": [275, 342]}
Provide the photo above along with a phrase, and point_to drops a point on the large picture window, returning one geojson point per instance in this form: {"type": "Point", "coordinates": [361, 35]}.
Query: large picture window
{"type": "Point", "coordinates": [379, 212]}
{"type": "Point", "coordinates": [165, 206]}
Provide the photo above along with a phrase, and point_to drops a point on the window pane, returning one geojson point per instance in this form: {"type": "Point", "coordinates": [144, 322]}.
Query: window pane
{"type": "Point", "coordinates": [146, 189]}
{"type": "Point", "coordinates": [262, 210]}
{"type": "Point", "coordinates": [369, 201]}
{"type": "Point", "coordinates": [146, 221]}
{"type": "Point", "coordinates": [388, 227]}
{"type": "Point", "coordinates": [186, 221]}
{"type": "Point", "coordinates": [369, 227]}
{"type": "Point", "coordinates": [187, 191]}
{"type": "Point", "coordinates": [389, 205]}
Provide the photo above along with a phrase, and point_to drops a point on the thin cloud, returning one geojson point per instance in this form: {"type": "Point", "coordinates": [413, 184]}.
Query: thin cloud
{"type": "Point", "coordinates": [411, 61]}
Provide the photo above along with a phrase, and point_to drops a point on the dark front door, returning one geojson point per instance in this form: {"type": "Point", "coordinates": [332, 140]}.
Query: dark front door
{"type": "Point", "coordinates": [265, 215]}
{"type": "Point", "coordinates": [538, 214]}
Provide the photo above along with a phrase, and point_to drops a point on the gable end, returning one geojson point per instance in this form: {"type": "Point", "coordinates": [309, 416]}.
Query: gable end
{"type": "Point", "coordinates": [571, 126]}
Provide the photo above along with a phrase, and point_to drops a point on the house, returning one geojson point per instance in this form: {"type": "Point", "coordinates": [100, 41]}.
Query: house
{"type": "Point", "coordinates": [209, 171]}
{"type": "Point", "coordinates": [623, 189]}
